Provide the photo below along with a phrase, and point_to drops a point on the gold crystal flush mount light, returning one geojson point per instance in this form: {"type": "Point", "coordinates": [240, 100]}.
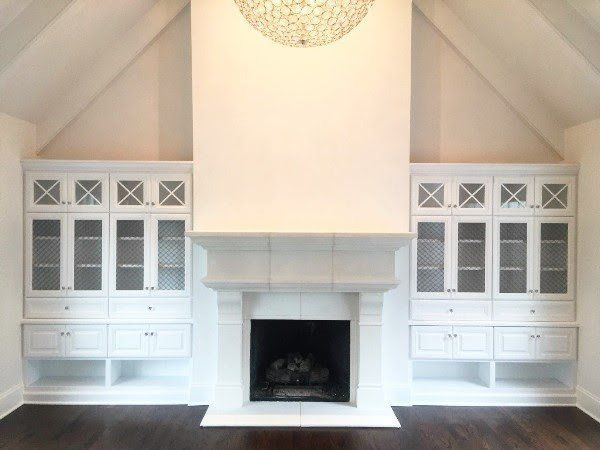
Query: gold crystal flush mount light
{"type": "Point", "coordinates": [304, 23]}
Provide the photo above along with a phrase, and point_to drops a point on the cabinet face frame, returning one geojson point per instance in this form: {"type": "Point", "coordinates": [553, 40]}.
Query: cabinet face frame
{"type": "Point", "coordinates": [71, 292]}
{"type": "Point", "coordinates": [157, 186]}
{"type": "Point", "coordinates": [29, 291]}
{"type": "Point", "coordinates": [30, 197]}
{"type": "Point", "coordinates": [115, 207]}
{"type": "Point", "coordinates": [447, 221]}
{"type": "Point", "coordinates": [528, 294]}
{"type": "Point", "coordinates": [103, 180]}
{"type": "Point", "coordinates": [529, 207]}
{"type": "Point", "coordinates": [571, 186]}
{"type": "Point", "coordinates": [154, 256]}
{"type": "Point", "coordinates": [571, 274]}
{"type": "Point", "coordinates": [488, 258]}
{"type": "Point", "coordinates": [486, 182]}
{"type": "Point", "coordinates": [113, 291]}
{"type": "Point", "coordinates": [445, 209]}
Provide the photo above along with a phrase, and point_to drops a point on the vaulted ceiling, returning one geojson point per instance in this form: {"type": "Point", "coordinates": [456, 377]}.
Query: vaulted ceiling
{"type": "Point", "coordinates": [541, 56]}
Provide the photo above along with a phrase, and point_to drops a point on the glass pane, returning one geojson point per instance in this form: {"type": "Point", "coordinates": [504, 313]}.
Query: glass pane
{"type": "Point", "coordinates": [87, 255]}
{"type": "Point", "coordinates": [430, 256]}
{"type": "Point", "coordinates": [513, 195]}
{"type": "Point", "coordinates": [554, 258]}
{"type": "Point", "coordinates": [130, 192]}
{"type": "Point", "coordinates": [88, 192]}
{"type": "Point", "coordinates": [471, 195]}
{"type": "Point", "coordinates": [513, 258]}
{"type": "Point", "coordinates": [471, 257]}
{"type": "Point", "coordinates": [46, 255]}
{"type": "Point", "coordinates": [130, 255]}
{"type": "Point", "coordinates": [171, 255]}
{"type": "Point", "coordinates": [171, 193]}
{"type": "Point", "coordinates": [554, 196]}
{"type": "Point", "coordinates": [46, 192]}
{"type": "Point", "coordinates": [431, 195]}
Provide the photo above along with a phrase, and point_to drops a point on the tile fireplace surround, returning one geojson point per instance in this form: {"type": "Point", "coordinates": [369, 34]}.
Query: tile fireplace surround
{"type": "Point", "coordinates": [291, 276]}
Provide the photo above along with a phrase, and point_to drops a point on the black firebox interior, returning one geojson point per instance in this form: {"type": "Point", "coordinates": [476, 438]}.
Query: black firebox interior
{"type": "Point", "coordinates": [300, 360]}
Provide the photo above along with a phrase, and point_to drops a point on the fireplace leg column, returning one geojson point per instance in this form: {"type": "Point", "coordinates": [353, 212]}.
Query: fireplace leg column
{"type": "Point", "coordinates": [369, 393]}
{"type": "Point", "coordinates": [229, 386]}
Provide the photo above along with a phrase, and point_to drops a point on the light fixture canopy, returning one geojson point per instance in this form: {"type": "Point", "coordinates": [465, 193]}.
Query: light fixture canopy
{"type": "Point", "coordinates": [304, 23]}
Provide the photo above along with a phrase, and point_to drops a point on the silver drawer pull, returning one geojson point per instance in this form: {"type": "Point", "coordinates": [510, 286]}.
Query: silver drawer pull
{"type": "Point", "coordinates": [149, 308]}
{"type": "Point", "coordinates": [451, 310]}
{"type": "Point", "coordinates": [449, 335]}
{"type": "Point", "coordinates": [532, 311]}
{"type": "Point", "coordinates": [456, 335]}
{"type": "Point", "coordinates": [66, 308]}
{"type": "Point", "coordinates": [146, 334]}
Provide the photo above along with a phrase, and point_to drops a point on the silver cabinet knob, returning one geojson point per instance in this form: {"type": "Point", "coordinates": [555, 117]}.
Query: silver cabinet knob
{"type": "Point", "coordinates": [151, 288]}
{"type": "Point", "coordinates": [538, 336]}
{"type": "Point", "coordinates": [152, 333]}
{"type": "Point", "coordinates": [67, 308]}
{"type": "Point", "coordinates": [538, 206]}
{"type": "Point", "coordinates": [62, 333]}
{"type": "Point", "coordinates": [146, 333]}
{"type": "Point", "coordinates": [448, 290]}
{"type": "Point", "coordinates": [62, 288]}
{"type": "Point", "coordinates": [453, 290]}
{"type": "Point", "coordinates": [149, 308]}
{"type": "Point", "coordinates": [451, 310]}
{"type": "Point", "coordinates": [455, 335]}
{"type": "Point", "coordinates": [449, 206]}
{"type": "Point", "coordinates": [532, 206]}
{"type": "Point", "coordinates": [455, 206]}
{"type": "Point", "coordinates": [532, 311]}
{"type": "Point", "coordinates": [152, 203]}
{"type": "Point", "coordinates": [449, 335]}
{"type": "Point", "coordinates": [533, 336]}
{"type": "Point", "coordinates": [147, 203]}
{"type": "Point", "coordinates": [536, 291]}
{"type": "Point", "coordinates": [68, 333]}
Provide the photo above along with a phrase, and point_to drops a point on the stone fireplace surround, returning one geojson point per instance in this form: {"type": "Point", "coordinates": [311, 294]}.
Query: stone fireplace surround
{"type": "Point", "coordinates": [300, 276]}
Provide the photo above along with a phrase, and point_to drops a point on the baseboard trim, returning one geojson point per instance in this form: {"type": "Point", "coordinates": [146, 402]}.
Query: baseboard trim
{"type": "Point", "coordinates": [202, 394]}
{"type": "Point", "coordinates": [11, 400]}
{"type": "Point", "coordinates": [106, 397]}
{"type": "Point", "coordinates": [588, 403]}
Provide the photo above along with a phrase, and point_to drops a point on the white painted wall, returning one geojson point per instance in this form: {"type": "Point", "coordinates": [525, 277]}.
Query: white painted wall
{"type": "Point", "coordinates": [456, 115]}
{"type": "Point", "coordinates": [17, 140]}
{"type": "Point", "coordinates": [583, 146]}
{"type": "Point", "coordinates": [145, 114]}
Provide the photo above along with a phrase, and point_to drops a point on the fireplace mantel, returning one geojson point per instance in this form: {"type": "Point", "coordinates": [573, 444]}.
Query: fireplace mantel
{"type": "Point", "coordinates": [307, 262]}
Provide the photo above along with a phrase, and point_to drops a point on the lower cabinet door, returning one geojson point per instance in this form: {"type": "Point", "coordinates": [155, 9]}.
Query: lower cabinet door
{"type": "Point", "coordinates": [472, 343]}
{"type": "Point", "coordinates": [128, 341]}
{"type": "Point", "coordinates": [431, 342]}
{"type": "Point", "coordinates": [514, 343]}
{"type": "Point", "coordinates": [44, 341]}
{"type": "Point", "coordinates": [86, 341]}
{"type": "Point", "coordinates": [170, 340]}
{"type": "Point", "coordinates": [556, 343]}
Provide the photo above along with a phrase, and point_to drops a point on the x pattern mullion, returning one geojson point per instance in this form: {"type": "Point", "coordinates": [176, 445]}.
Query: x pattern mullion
{"type": "Point", "coordinates": [431, 195]}
{"type": "Point", "coordinates": [171, 193]}
{"type": "Point", "coordinates": [46, 192]}
{"type": "Point", "coordinates": [89, 192]}
{"type": "Point", "coordinates": [554, 196]}
{"type": "Point", "coordinates": [513, 195]}
{"type": "Point", "coordinates": [471, 195]}
{"type": "Point", "coordinates": [130, 193]}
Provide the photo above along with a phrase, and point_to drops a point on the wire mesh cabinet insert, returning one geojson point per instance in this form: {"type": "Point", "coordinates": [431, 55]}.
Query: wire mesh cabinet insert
{"type": "Point", "coordinates": [130, 255]}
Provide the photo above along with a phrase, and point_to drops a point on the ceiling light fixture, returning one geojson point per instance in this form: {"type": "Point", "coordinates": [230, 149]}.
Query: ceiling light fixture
{"type": "Point", "coordinates": [304, 23]}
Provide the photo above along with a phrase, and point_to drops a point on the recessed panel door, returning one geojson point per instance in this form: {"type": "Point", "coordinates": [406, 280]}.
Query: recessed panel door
{"type": "Point", "coordinates": [431, 342]}
{"type": "Point", "coordinates": [514, 343]}
{"type": "Point", "coordinates": [43, 341]}
{"type": "Point", "coordinates": [472, 343]}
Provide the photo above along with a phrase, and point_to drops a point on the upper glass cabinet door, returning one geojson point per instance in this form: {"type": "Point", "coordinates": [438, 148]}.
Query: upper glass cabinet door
{"type": "Point", "coordinates": [431, 196]}
{"type": "Point", "coordinates": [513, 258]}
{"type": "Point", "coordinates": [471, 258]}
{"type": "Point", "coordinates": [472, 196]}
{"type": "Point", "coordinates": [555, 259]}
{"type": "Point", "coordinates": [171, 193]}
{"type": "Point", "coordinates": [514, 196]}
{"type": "Point", "coordinates": [88, 255]}
{"type": "Point", "coordinates": [555, 196]}
{"type": "Point", "coordinates": [170, 255]}
{"type": "Point", "coordinates": [431, 258]}
{"type": "Point", "coordinates": [45, 269]}
{"type": "Point", "coordinates": [129, 255]}
{"type": "Point", "coordinates": [129, 192]}
{"type": "Point", "coordinates": [46, 192]}
{"type": "Point", "coordinates": [88, 192]}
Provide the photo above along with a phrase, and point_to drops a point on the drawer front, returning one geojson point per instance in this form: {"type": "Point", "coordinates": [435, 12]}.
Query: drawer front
{"type": "Point", "coordinates": [534, 311]}
{"type": "Point", "coordinates": [514, 343]}
{"type": "Point", "coordinates": [450, 310]}
{"type": "Point", "coordinates": [150, 308]}
{"type": "Point", "coordinates": [128, 341]}
{"type": "Point", "coordinates": [45, 308]}
{"type": "Point", "coordinates": [556, 343]}
{"type": "Point", "coordinates": [86, 308]}
{"type": "Point", "coordinates": [86, 341]}
{"type": "Point", "coordinates": [431, 342]}
{"type": "Point", "coordinates": [43, 341]}
{"type": "Point", "coordinates": [472, 343]}
{"type": "Point", "coordinates": [170, 341]}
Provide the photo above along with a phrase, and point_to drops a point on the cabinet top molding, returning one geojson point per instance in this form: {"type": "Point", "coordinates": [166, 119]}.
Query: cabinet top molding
{"type": "Point", "coordinates": [47, 165]}
{"type": "Point", "coordinates": [465, 169]}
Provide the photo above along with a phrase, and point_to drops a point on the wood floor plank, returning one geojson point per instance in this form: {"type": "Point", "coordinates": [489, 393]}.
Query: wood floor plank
{"type": "Point", "coordinates": [178, 427]}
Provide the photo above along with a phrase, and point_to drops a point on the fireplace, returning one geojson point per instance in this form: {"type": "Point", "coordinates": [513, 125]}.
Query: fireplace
{"type": "Point", "coordinates": [300, 360]}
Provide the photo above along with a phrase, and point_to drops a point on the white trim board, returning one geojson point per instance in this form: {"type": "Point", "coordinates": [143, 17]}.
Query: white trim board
{"type": "Point", "coordinates": [58, 165]}
{"type": "Point", "coordinates": [588, 403]}
{"type": "Point", "coordinates": [480, 169]}
{"type": "Point", "coordinates": [10, 400]}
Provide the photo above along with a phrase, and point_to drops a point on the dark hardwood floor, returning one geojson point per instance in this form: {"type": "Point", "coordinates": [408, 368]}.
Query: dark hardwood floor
{"type": "Point", "coordinates": [177, 427]}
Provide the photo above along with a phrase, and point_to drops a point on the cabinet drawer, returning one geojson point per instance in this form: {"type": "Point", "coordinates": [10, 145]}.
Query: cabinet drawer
{"type": "Point", "coordinates": [450, 310]}
{"type": "Point", "coordinates": [534, 311]}
{"type": "Point", "coordinates": [86, 308]}
{"type": "Point", "coordinates": [44, 308]}
{"type": "Point", "coordinates": [150, 308]}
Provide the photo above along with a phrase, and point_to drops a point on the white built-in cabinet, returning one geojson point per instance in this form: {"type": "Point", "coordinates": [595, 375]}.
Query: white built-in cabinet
{"type": "Point", "coordinates": [493, 277]}
{"type": "Point", "coordinates": [107, 273]}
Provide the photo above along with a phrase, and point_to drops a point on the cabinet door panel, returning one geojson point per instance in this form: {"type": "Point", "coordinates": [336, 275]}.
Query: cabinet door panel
{"type": "Point", "coordinates": [170, 341]}
{"type": "Point", "coordinates": [86, 341]}
{"type": "Point", "coordinates": [514, 196]}
{"type": "Point", "coordinates": [472, 343]}
{"type": "Point", "coordinates": [431, 342]}
{"type": "Point", "coordinates": [171, 193]}
{"type": "Point", "coordinates": [150, 308]}
{"type": "Point", "coordinates": [88, 192]}
{"type": "Point", "coordinates": [45, 192]}
{"type": "Point", "coordinates": [450, 310]}
{"type": "Point", "coordinates": [514, 343]}
{"type": "Point", "coordinates": [88, 255]}
{"type": "Point", "coordinates": [44, 341]}
{"type": "Point", "coordinates": [46, 248]}
{"type": "Point", "coordinates": [130, 260]}
{"type": "Point", "coordinates": [471, 253]}
{"type": "Point", "coordinates": [431, 196]}
{"type": "Point", "coordinates": [472, 196]}
{"type": "Point", "coordinates": [431, 257]}
{"type": "Point", "coordinates": [529, 311]}
{"type": "Point", "coordinates": [171, 256]}
{"type": "Point", "coordinates": [128, 341]}
{"type": "Point", "coordinates": [129, 193]}
{"type": "Point", "coordinates": [556, 343]}
{"type": "Point", "coordinates": [513, 258]}
{"type": "Point", "coordinates": [555, 195]}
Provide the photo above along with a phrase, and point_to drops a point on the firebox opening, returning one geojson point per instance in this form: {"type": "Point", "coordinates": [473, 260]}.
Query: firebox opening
{"type": "Point", "coordinates": [300, 360]}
